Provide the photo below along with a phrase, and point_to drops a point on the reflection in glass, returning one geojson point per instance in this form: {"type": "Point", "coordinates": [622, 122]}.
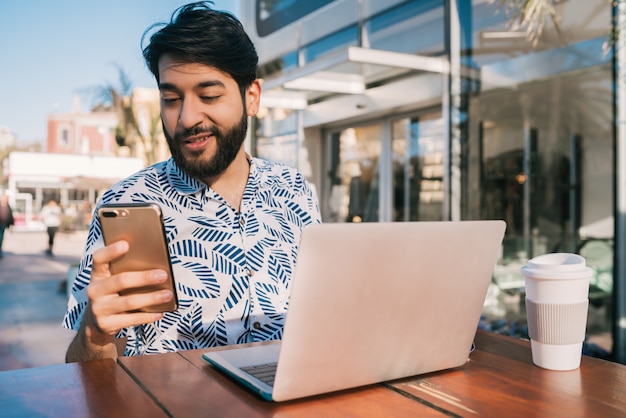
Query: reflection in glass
{"type": "Point", "coordinates": [414, 27]}
{"type": "Point", "coordinates": [418, 167]}
{"type": "Point", "coordinates": [545, 167]}
{"type": "Point", "coordinates": [354, 192]}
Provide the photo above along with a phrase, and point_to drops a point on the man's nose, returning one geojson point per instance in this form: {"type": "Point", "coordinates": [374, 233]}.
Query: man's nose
{"type": "Point", "coordinates": [190, 113]}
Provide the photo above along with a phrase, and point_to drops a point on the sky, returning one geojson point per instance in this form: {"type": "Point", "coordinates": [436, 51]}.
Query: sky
{"type": "Point", "coordinates": [52, 50]}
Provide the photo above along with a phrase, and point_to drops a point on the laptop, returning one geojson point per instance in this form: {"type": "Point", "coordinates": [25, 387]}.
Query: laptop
{"type": "Point", "coordinates": [373, 302]}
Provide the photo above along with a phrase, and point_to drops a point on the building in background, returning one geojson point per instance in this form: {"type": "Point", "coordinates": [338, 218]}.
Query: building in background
{"type": "Point", "coordinates": [83, 159]}
{"type": "Point", "coordinates": [7, 138]}
{"type": "Point", "coordinates": [75, 181]}
{"type": "Point", "coordinates": [95, 132]}
{"type": "Point", "coordinates": [91, 133]}
{"type": "Point", "coordinates": [428, 110]}
{"type": "Point", "coordinates": [147, 140]}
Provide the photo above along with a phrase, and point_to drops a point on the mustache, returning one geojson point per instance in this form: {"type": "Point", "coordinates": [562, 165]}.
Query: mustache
{"type": "Point", "coordinates": [196, 130]}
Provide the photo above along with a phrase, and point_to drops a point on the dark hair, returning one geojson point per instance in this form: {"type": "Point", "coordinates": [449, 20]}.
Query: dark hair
{"type": "Point", "coordinates": [198, 34]}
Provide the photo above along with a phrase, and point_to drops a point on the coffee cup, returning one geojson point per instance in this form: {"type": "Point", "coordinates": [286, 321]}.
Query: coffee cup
{"type": "Point", "coordinates": [557, 301]}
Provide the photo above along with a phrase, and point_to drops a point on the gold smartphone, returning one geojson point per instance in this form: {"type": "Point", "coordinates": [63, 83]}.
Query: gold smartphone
{"type": "Point", "coordinates": [141, 225]}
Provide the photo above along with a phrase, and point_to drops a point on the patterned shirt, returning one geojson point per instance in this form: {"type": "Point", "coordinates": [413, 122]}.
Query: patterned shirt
{"type": "Point", "coordinates": [232, 268]}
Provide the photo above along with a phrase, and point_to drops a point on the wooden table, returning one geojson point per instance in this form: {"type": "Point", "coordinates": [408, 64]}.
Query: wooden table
{"type": "Point", "coordinates": [499, 379]}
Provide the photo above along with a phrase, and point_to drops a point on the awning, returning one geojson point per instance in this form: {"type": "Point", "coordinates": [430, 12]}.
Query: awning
{"type": "Point", "coordinates": [348, 71]}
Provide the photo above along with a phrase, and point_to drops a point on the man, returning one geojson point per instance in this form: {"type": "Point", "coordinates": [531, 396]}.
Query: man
{"type": "Point", "coordinates": [51, 215]}
{"type": "Point", "coordinates": [6, 218]}
{"type": "Point", "coordinates": [233, 222]}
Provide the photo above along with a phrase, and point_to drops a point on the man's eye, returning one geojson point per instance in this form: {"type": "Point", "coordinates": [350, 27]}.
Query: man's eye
{"type": "Point", "coordinates": [169, 100]}
{"type": "Point", "coordinates": [209, 99]}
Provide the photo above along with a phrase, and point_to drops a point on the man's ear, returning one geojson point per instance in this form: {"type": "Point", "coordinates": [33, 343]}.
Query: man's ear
{"type": "Point", "coordinates": [253, 98]}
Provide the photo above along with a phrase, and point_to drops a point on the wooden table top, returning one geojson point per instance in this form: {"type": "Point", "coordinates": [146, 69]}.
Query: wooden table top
{"type": "Point", "coordinates": [499, 379]}
{"type": "Point", "coordinates": [92, 389]}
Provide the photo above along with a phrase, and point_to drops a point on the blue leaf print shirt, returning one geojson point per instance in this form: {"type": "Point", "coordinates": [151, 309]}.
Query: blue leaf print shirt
{"type": "Point", "coordinates": [232, 269]}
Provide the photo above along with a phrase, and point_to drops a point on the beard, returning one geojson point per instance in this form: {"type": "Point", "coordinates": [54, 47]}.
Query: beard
{"type": "Point", "coordinates": [228, 144]}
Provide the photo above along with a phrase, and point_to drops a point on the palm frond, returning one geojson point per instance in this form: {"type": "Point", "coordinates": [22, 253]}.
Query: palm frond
{"type": "Point", "coordinates": [532, 16]}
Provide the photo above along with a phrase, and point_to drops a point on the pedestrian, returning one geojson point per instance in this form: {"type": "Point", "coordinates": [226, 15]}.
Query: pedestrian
{"type": "Point", "coordinates": [50, 215]}
{"type": "Point", "coordinates": [6, 218]}
{"type": "Point", "coordinates": [233, 221]}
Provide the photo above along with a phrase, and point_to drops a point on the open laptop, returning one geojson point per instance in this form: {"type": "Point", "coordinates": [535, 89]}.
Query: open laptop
{"type": "Point", "coordinates": [373, 302]}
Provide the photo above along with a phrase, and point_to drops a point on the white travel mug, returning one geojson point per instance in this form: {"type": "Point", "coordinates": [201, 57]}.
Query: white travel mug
{"type": "Point", "coordinates": [557, 301]}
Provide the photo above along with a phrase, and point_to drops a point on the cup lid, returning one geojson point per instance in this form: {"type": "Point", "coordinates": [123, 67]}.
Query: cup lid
{"type": "Point", "coordinates": [557, 265]}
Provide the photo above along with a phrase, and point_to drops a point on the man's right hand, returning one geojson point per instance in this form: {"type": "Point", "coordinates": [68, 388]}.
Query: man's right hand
{"type": "Point", "coordinates": [108, 311]}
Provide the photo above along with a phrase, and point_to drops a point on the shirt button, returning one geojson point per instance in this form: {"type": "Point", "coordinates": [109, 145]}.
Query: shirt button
{"type": "Point", "coordinates": [251, 272]}
{"type": "Point", "coordinates": [256, 325]}
{"type": "Point", "coordinates": [241, 221]}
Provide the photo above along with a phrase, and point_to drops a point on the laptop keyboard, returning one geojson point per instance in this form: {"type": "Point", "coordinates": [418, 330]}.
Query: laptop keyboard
{"type": "Point", "coordinates": [264, 372]}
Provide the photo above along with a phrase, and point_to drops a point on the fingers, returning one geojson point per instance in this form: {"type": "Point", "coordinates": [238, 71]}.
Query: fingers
{"type": "Point", "coordinates": [120, 283]}
{"type": "Point", "coordinates": [113, 304]}
{"type": "Point", "coordinates": [102, 257]}
{"type": "Point", "coordinates": [113, 308]}
{"type": "Point", "coordinates": [110, 325]}
{"type": "Point", "coordinates": [112, 311]}
{"type": "Point", "coordinates": [103, 283]}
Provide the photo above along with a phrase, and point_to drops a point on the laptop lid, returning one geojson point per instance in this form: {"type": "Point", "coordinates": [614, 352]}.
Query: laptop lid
{"type": "Point", "coordinates": [373, 302]}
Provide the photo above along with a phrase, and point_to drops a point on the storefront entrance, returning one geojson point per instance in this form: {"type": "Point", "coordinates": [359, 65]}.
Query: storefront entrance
{"type": "Point", "coordinates": [538, 156]}
{"type": "Point", "coordinates": [390, 170]}
{"type": "Point", "coordinates": [543, 156]}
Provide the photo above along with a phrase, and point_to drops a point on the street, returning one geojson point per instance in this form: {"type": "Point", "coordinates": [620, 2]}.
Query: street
{"type": "Point", "coordinates": [32, 300]}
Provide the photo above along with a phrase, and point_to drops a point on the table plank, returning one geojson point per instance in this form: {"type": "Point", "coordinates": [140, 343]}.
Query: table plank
{"type": "Point", "coordinates": [500, 380]}
{"type": "Point", "coordinates": [92, 389]}
{"type": "Point", "coordinates": [188, 387]}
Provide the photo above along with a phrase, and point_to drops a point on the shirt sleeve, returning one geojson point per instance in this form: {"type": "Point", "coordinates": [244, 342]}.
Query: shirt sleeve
{"type": "Point", "coordinates": [78, 297]}
{"type": "Point", "coordinates": [306, 198]}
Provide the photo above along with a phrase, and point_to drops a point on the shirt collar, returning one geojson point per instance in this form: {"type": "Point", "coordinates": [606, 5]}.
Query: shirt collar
{"type": "Point", "coordinates": [187, 185]}
{"type": "Point", "coordinates": [181, 181]}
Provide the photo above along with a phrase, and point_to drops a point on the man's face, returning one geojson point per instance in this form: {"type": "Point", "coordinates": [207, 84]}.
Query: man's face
{"type": "Point", "coordinates": [204, 117]}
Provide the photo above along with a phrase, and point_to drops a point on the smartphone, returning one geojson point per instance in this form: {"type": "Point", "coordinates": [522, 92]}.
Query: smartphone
{"type": "Point", "coordinates": [141, 225]}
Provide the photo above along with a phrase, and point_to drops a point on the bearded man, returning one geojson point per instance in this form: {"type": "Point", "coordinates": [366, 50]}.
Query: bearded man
{"type": "Point", "coordinates": [233, 222]}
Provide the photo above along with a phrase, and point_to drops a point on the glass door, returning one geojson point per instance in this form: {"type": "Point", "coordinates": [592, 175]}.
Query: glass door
{"type": "Point", "coordinates": [542, 161]}
{"type": "Point", "coordinates": [391, 170]}
{"type": "Point", "coordinates": [549, 178]}
{"type": "Point", "coordinates": [353, 175]}
{"type": "Point", "coordinates": [418, 168]}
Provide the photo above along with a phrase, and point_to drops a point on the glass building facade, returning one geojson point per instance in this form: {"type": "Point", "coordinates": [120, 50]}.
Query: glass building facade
{"type": "Point", "coordinates": [428, 110]}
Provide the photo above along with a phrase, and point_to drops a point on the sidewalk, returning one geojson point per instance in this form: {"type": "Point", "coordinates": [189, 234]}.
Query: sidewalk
{"type": "Point", "coordinates": [32, 304]}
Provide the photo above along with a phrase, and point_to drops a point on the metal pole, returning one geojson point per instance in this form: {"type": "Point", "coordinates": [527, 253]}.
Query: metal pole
{"type": "Point", "coordinates": [530, 152]}
{"type": "Point", "coordinates": [451, 104]}
{"type": "Point", "coordinates": [575, 170]}
{"type": "Point", "coordinates": [619, 265]}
